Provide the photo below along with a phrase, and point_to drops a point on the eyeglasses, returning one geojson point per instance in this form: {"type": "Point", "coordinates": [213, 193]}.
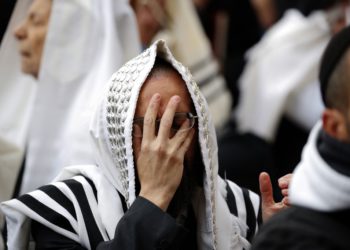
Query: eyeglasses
{"type": "Point", "coordinates": [181, 122]}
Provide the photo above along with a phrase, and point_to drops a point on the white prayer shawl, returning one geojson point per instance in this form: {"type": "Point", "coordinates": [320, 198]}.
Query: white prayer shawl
{"type": "Point", "coordinates": [87, 41]}
{"type": "Point", "coordinates": [281, 75]}
{"type": "Point", "coordinates": [186, 39]}
{"type": "Point", "coordinates": [17, 91]}
{"type": "Point", "coordinates": [315, 184]}
{"type": "Point", "coordinates": [111, 130]}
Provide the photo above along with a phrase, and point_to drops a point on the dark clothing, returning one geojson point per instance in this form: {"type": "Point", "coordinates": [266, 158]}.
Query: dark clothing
{"type": "Point", "coordinates": [6, 8]}
{"type": "Point", "coordinates": [305, 228]}
{"type": "Point", "coordinates": [242, 157]}
{"type": "Point", "coordinates": [144, 226]}
{"type": "Point", "coordinates": [335, 153]}
{"type": "Point", "coordinates": [301, 228]}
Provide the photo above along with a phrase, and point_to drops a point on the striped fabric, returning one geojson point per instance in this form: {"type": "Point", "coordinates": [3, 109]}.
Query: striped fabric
{"type": "Point", "coordinates": [70, 208]}
{"type": "Point", "coordinates": [85, 203]}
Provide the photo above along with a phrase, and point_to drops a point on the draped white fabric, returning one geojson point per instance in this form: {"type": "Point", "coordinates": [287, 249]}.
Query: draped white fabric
{"type": "Point", "coordinates": [87, 41]}
{"type": "Point", "coordinates": [315, 184]}
{"type": "Point", "coordinates": [281, 75]}
{"type": "Point", "coordinates": [16, 97]}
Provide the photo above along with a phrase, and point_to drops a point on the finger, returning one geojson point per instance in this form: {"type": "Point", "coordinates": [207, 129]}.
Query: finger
{"type": "Point", "coordinates": [284, 181]}
{"type": "Point", "coordinates": [186, 144]}
{"type": "Point", "coordinates": [168, 117]}
{"type": "Point", "coordinates": [285, 201]}
{"type": "Point", "coordinates": [150, 118]}
{"type": "Point", "coordinates": [181, 135]}
{"type": "Point", "coordinates": [266, 190]}
{"type": "Point", "coordinates": [284, 192]}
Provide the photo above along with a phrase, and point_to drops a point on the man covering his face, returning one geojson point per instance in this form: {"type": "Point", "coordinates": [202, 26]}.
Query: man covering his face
{"type": "Point", "coordinates": [155, 182]}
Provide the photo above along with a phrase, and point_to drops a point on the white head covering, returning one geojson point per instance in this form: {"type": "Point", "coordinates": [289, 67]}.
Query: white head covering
{"type": "Point", "coordinates": [112, 134]}
{"type": "Point", "coordinates": [87, 41]}
{"type": "Point", "coordinates": [113, 129]}
{"type": "Point", "coordinates": [281, 75]}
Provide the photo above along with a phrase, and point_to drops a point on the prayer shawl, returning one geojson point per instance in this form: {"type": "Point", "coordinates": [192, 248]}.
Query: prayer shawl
{"type": "Point", "coordinates": [87, 40]}
{"type": "Point", "coordinates": [281, 75]}
{"type": "Point", "coordinates": [17, 92]}
{"type": "Point", "coordinates": [186, 39]}
{"type": "Point", "coordinates": [84, 204]}
{"type": "Point", "coordinates": [315, 184]}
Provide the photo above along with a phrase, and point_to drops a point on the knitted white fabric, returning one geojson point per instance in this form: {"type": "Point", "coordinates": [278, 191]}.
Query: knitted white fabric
{"type": "Point", "coordinates": [119, 108]}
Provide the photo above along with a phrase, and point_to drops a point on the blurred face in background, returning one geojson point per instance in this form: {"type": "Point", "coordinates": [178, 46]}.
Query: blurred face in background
{"type": "Point", "coordinates": [266, 12]}
{"type": "Point", "coordinates": [151, 17]}
{"type": "Point", "coordinates": [31, 35]}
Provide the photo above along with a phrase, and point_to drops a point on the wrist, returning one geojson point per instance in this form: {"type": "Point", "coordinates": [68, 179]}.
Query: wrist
{"type": "Point", "coordinates": [161, 200]}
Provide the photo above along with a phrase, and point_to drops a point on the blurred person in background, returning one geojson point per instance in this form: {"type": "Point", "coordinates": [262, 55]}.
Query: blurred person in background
{"type": "Point", "coordinates": [177, 22]}
{"type": "Point", "coordinates": [66, 56]}
{"type": "Point", "coordinates": [320, 187]}
{"type": "Point", "coordinates": [46, 108]}
{"type": "Point", "coordinates": [64, 62]}
{"type": "Point", "coordinates": [279, 80]}
{"type": "Point", "coordinates": [17, 91]}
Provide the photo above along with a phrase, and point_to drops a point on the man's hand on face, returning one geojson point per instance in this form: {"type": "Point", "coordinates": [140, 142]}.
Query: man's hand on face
{"type": "Point", "coordinates": [161, 160]}
{"type": "Point", "coordinates": [269, 206]}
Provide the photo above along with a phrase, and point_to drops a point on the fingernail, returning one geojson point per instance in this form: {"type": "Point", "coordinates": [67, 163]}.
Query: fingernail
{"type": "Point", "coordinates": [176, 99]}
{"type": "Point", "coordinates": [156, 97]}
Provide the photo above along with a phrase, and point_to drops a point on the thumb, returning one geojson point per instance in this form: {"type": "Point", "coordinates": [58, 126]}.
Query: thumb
{"type": "Point", "coordinates": [266, 189]}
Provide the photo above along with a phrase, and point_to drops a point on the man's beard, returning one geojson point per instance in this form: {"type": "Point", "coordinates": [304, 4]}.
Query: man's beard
{"type": "Point", "coordinates": [183, 196]}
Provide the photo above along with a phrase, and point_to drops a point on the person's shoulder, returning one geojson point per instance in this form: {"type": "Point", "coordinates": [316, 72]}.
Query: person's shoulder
{"type": "Point", "coordinates": [302, 228]}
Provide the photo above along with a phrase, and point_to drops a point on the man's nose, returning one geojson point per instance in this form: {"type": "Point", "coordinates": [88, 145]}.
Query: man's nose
{"type": "Point", "coordinates": [20, 31]}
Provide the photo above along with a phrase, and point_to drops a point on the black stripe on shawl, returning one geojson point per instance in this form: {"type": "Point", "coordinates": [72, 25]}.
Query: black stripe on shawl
{"type": "Point", "coordinates": [199, 65]}
{"type": "Point", "coordinates": [214, 95]}
{"type": "Point", "coordinates": [251, 218]}
{"type": "Point", "coordinates": [47, 213]}
{"type": "Point", "coordinates": [94, 190]}
{"type": "Point", "coordinates": [207, 80]}
{"type": "Point", "coordinates": [122, 200]}
{"type": "Point", "coordinates": [93, 231]}
{"type": "Point", "coordinates": [60, 198]}
{"type": "Point", "coordinates": [260, 221]}
{"type": "Point", "coordinates": [231, 200]}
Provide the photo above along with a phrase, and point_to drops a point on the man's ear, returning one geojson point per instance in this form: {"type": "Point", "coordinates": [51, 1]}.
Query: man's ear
{"type": "Point", "coordinates": [334, 124]}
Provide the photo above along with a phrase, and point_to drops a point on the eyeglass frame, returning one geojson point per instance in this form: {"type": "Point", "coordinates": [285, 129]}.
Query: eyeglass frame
{"type": "Point", "coordinates": [189, 115]}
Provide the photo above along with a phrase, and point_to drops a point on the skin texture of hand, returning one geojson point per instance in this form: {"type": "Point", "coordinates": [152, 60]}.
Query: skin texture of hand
{"type": "Point", "coordinates": [269, 206]}
{"type": "Point", "coordinates": [161, 160]}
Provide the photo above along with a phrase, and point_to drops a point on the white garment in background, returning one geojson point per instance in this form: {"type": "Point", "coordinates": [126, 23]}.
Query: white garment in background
{"type": "Point", "coordinates": [187, 40]}
{"type": "Point", "coordinates": [281, 75]}
{"type": "Point", "coordinates": [17, 92]}
{"type": "Point", "coordinates": [87, 41]}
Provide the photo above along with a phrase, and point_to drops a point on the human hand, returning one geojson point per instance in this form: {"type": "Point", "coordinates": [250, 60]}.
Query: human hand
{"type": "Point", "coordinates": [160, 162]}
{"type": "Point", "coordinates": [283, 183]}
{"type": "Point", "coordinates": [269, 206]}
